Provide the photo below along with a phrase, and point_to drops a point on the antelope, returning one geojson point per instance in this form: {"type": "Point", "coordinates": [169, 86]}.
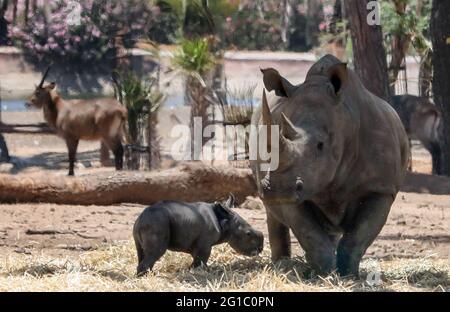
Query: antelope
{"type": "Point", "coordinates": [75, 120]}
{"type": "Point", "coordinates": [422, 121]}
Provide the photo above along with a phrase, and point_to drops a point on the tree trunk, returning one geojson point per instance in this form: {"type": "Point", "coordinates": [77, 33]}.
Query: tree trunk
{"type": "Point", "coordinates": [3, 23]}
{"type": "Point", "coordinates": [4, 154]}
{"type": "Point", "coordinates": [314, 16]}
{"type": "Point", "coordinates": [27, 11]}
{"type": "Point", "coordinates": [14, 21]}
{"type": "Point", "coordinates": [337, 17]}
{"type": "Point", "coordinates": [153, 142]}
{"type": "Point", "coordinates": [400, 44]}
{"type": "Point", "coordinates": [440, 35]}
{"type": "Point", "coordinates": [197, 97]}
{"type": "Point", "coordinates": [368, 50]}
{"type": "Point", "coordinates": [286, 18]}
{"type": "Point", "coordinates": [426, 74]}
{"type": "Point", "coordinates": [189, 182]}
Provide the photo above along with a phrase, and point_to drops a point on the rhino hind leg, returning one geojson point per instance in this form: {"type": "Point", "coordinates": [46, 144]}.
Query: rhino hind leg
{"type": "Point", "coordinates": [149, 260]}
{"type": "Point", "coordinates": [365, 227]}
{"type": "Point", "coordinates": [154, 244]}
{"type": "Point", "coordinates": [279, 238]}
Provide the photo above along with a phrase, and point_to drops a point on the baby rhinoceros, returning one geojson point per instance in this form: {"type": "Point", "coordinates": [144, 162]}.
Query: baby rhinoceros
{"type": "Point", "coordinates": [192, 228]}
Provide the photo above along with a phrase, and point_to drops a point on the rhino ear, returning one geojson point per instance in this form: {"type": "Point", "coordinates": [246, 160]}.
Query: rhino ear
{"type": "Point", "coordinates": [274, 81]}
{"type": "Point", "coordinates": [338, 76]}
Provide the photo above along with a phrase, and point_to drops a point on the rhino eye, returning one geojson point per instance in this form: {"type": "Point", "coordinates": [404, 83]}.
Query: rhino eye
{"type": "Point", "coordinates": [320, 146]}
{"type": "Point", "coordinates": [248, 233]}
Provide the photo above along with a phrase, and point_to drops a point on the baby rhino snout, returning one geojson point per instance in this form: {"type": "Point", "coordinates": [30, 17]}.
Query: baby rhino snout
{"type": "Point", "coordinates": [249, 243]}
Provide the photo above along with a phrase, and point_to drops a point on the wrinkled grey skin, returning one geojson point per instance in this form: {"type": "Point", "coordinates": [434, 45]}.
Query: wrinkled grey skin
{"type": "Point", "coordinates": [422, 121]}
{"type": "Point", "coordinates": [343, 156]}
{"type": "Point", "coordinates": [192, 228]}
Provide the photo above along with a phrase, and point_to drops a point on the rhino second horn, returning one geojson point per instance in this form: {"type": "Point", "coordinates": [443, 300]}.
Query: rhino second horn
{"type": "Point", "coordinates": [287, 127]}
{"type": "Point", "coordinates": [285, 146]}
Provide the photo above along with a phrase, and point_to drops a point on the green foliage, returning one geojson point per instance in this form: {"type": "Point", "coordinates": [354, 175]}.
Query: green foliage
{"type": "Point", "coordinates": [239, 104]}
{"type": "Point", "coordinates": [247, 29]}
{"type": "Point", "coordinates": [187, 18]}
{"type": "Point", "coordinates": [194, 56]}
{"type": "Point", "coordinates": [411, 24]}
{"type": "Point", "coordinates": [140, 97]}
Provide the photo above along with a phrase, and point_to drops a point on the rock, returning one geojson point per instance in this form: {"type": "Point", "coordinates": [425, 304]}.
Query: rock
{"type": "Point", "coordinates": [252, 203]}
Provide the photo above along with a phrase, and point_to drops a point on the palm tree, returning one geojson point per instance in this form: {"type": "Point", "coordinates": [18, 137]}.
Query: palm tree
{"type": "Point", "coordinates": [142, 99]}
{"type": "Point", "coordinates": [195, 59]}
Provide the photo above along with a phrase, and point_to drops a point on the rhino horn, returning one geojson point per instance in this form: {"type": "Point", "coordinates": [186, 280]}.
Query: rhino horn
{"type": "Point", "coordinates": [266, 114]}
{"type": "Point", "coordinates": [267, 118]}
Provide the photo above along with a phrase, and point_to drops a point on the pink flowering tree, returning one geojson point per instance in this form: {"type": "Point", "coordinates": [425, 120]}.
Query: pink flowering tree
{"type": "Point", "coordinates": [71, 31]}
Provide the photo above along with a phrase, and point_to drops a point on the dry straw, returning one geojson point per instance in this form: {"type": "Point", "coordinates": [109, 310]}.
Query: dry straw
{"type": "Point", "coordinates": [112, 268]}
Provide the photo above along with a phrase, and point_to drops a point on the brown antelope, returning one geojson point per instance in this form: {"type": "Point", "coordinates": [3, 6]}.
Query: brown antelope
{"type": "Point", "coordinates": [75, 120]}
{"type": "Point", "coordinates": [422, 121]}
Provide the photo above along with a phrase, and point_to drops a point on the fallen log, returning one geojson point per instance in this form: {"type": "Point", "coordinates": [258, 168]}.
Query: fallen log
{"type": "Point", "coordinates": [40, 128]}
{"type": "Point", "coordinates": [188, 182]}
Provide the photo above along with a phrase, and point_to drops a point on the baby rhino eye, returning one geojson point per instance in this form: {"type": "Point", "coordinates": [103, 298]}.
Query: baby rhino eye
{"type": "Point", "coordinates": [320, 146]}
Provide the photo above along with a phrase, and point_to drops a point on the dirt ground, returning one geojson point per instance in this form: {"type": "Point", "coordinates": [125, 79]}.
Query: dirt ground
{"type": "Point", "coordinates": [418, 226]}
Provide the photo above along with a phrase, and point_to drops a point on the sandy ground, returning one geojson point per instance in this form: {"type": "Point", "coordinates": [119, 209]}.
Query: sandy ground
{"type": "Point", "coordinates": [418, 226]}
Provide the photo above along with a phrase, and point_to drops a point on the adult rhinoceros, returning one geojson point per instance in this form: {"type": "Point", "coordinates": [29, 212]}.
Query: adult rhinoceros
{"type": "Point", "coordinates": [343, 154]}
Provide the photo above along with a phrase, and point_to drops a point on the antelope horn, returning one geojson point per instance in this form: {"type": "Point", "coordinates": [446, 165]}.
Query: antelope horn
{"type": "Point", "coordinates": [45, 76]}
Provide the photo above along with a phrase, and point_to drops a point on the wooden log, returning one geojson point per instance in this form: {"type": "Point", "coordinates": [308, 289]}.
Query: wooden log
{"type": "Point", "coordinates": [41, 128]}
{"type": "Point", "coordinates": [189, 182]}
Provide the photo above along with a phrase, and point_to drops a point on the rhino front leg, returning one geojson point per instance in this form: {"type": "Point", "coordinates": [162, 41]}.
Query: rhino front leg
{"type": "Point", "coordinates": [370, 218]}
{"type": "Point", "coordinates": [320, 250]}
{"type": "Point", "coordinates": [201, 256]}
{"type": "Point", "coordinates": [279, 238]}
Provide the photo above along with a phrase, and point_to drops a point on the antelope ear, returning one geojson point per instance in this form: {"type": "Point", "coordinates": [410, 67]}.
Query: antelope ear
{"type": "Point", "coordinates": [274, 81]}
{"type": "Point", "coordinates": [338, 75]}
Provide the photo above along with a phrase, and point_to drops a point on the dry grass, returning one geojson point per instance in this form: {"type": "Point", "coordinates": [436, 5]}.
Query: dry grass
{"type": "Point", "coordinates": [112, 268]}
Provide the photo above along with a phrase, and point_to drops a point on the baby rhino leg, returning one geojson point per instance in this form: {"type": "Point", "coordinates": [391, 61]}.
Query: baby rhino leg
{"type": "Point", "coordinates": [154, 245]}
{"type": "Point", "coordinates": [201, 255]}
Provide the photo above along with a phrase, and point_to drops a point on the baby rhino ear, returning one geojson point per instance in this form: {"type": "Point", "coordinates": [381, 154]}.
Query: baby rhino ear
{"type": "Point", "coordinates": [230, 201]}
